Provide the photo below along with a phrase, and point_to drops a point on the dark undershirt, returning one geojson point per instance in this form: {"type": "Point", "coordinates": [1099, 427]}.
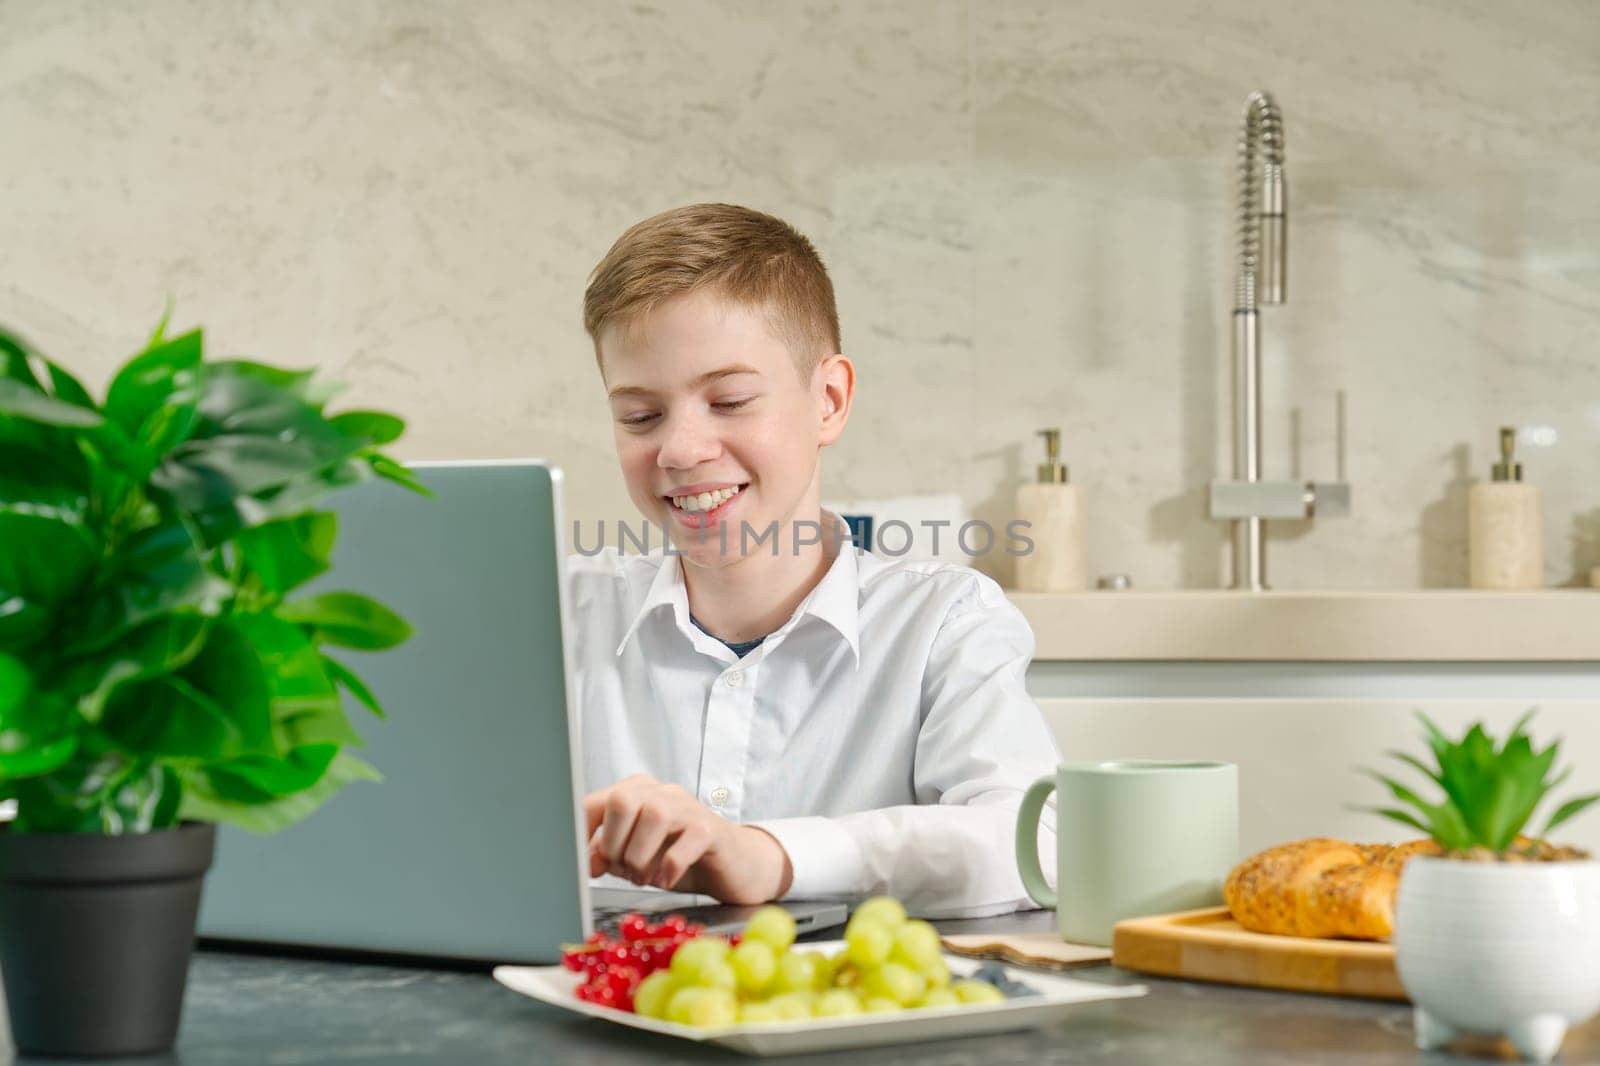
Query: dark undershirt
{"type": "Point", "coordinates": [740, 648]}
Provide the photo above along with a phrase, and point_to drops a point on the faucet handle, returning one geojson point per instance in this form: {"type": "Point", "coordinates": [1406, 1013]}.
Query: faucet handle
{"type": "Point", "coordinates": [1339, 438]}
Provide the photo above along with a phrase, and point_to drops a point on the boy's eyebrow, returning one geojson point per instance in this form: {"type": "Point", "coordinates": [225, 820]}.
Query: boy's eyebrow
{"type": "Point", "coordinates": [703, 379]}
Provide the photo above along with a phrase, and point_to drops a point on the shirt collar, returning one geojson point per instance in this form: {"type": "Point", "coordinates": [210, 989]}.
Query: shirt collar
{"type": "Point", "coordinates": [666, 590]}
{"type": "Point", "coordinates": [835, 600]}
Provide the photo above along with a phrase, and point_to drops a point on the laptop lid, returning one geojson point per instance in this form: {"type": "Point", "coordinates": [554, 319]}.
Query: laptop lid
{"type": "Point", "coordinates": [472, 845]}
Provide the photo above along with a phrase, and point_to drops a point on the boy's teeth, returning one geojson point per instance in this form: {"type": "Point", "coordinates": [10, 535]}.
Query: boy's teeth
{"type": "Point", "coordinates": [705, 501]}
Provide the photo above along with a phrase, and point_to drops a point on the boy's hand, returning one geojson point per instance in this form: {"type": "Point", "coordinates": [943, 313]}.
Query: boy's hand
{"type": "Point", "coordinates": [659, 835]}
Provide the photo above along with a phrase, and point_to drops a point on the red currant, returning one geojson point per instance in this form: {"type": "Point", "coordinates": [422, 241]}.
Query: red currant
{"type": "Point", "coordinates": [671, 925]}
{"type": "Point", "coordinates": [624, 979]}
{"type": "Point", "coordinates": [597, 938]}
{"type": "Point", "coordinates": [634, 927]}
{"type": "Point", "coordinates": [604, 995]}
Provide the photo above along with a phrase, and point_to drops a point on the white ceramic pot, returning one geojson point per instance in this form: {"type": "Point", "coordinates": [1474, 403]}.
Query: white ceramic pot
{"type": "Point", "coordinates": [1501, 948]}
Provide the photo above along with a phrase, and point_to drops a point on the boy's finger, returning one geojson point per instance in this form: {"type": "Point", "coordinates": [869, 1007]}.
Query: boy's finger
{"type": "Point", "coordinates": [621, 808]}
{"type": "Point", "coordinates": [684, 853]}
{"type": "Point", "coordinates": [597, 861]}
{"type": "Point", "coordinates": [650, 831]}
{"type": "Point", "coordinates": [594, 810]}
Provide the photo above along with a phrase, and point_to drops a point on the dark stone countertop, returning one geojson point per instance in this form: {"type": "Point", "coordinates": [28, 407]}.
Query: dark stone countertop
{"type": "Point", "coordinates": [262, 1010]}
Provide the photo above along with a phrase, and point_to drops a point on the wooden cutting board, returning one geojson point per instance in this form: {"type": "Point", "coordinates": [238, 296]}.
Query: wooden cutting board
{"type": "Point", "coordinates": [1208, 945]}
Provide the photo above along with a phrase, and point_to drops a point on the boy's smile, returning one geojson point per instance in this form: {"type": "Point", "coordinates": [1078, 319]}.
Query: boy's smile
{"type": "Point", "coordinates": [714, 427]}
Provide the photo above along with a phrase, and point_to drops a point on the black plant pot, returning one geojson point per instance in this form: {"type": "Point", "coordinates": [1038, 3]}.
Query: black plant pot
{"type": "Point", "coordinates": [96, 934]}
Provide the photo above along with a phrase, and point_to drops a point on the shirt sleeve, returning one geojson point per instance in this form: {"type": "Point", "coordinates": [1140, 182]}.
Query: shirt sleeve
{"type": "Point", "coordinates": [982, 742]}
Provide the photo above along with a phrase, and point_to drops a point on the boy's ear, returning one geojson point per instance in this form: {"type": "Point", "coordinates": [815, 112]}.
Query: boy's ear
{"type": "Point", "coordinates": [838, 389]}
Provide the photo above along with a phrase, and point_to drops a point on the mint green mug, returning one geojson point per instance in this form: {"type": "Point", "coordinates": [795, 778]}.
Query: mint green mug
{"type": "Point", "coordinates": [1133, 837]}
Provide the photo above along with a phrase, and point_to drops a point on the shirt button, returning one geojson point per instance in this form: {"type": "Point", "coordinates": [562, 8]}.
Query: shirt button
{"type": "Point", "coordinates": [719, 797]}
{"type": "Point", "coordinates": [733, 678]}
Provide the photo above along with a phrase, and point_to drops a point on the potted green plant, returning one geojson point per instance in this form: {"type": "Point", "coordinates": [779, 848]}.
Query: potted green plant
{"type": "Point", "coordinates": [1500, 934]}
{"type": "Point", "coordinates": [158, 672]}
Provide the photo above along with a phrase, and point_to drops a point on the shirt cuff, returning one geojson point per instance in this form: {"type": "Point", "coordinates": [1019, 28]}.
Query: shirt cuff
{"type": "Point", "coordinates": [823, 854]}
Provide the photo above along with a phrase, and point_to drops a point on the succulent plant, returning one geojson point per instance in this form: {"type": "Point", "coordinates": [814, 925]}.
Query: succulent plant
{"type": "Point", "coordinates": [1490, 793]}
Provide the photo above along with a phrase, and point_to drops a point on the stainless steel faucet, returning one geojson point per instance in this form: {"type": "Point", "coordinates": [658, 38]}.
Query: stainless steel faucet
{"type": "Point", "coordinates": [1247, 500]}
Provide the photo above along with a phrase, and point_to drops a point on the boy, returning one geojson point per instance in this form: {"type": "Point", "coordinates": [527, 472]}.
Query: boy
{"type": "Point", "coordinates": [771, 711]}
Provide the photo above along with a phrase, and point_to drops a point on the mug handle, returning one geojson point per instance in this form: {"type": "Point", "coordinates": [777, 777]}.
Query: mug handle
{"type": "Point", "coordinates": [1028, 841]}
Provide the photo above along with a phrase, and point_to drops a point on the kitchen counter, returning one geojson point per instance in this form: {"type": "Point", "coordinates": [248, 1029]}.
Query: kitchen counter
{"type": "Point", "coordinates": [1443, 625]}
{"type": "Point", "coordinates": [246, 1010]}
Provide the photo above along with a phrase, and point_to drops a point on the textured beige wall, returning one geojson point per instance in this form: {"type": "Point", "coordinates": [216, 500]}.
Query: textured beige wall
{"type": "Point", "coordinates": [1025, 206]}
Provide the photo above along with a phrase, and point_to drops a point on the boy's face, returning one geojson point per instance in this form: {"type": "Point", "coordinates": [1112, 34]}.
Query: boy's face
{"type": "Point", "coordinates": [714, 428]}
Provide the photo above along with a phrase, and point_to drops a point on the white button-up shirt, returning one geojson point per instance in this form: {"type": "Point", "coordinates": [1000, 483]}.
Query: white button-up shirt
{"type": "Point", "coordinates": [883, 734]}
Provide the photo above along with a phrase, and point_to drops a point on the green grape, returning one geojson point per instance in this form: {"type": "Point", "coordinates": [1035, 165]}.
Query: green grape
{"type": "Point", "coordinates": [867, 943]}
{"type": "Point", "coordinates": [718, 973]}
{"type": "Point", "coordinates": [940, 997]}
{"type": "Point", "coordinates": [968, 991]}
{"type": "Point", "coordinates": [772, 925]}
{"type": "Point", "coordinates": [828, 969]}
{"type": "Point", "coordinates": [879, 1005]}
{"type": "Point", "coordinates": [688, 960]}
{"type": "Point", "coordinates": [713, 1008]}
{"type": "Point", "coordinates": [758, 1012]}
{"type": "Point", "coordinates": [916, 943]}
{"type": "Point", "coordinates": [797, 972]}
{"type": "Point", "coordinates": [822, 972]}
{"type": "Point", "coordinates": [937, 975]}
{"type": "Point", "coordinates": [836, 1003]}
{"type": "Point", "coordinates": [792, 1006]}
{"type": "Point", "coordinates": [680, 1007]}
{"type": "Point", "coordinates": [894, 981]}
{"type": "Point", "coordinates": [846, 974]}
{"type": "Point", "coordinates": [651, 997]}
{"type": "Point", "coordinates": [754, 964]}
{"type": "Point", "coordinates": [885, 910]}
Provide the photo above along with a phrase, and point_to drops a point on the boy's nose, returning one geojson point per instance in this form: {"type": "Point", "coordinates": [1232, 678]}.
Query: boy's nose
{"type": "Point", "coordinates": [687, 443]}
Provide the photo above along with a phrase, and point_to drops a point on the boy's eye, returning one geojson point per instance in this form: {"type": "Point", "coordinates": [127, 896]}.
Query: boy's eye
{"type": "Point", "coordinates": [638, 420]}
{"type": "Point", "coordinates": [731, 405]}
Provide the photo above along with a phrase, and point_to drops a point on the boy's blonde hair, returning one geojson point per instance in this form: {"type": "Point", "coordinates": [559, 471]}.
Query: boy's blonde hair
{"type": "Point", "coordinates": [742, 255]}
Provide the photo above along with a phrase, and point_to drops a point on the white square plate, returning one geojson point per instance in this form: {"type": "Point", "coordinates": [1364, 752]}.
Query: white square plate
{"type": "Point", "coordinates": [1057, 996]}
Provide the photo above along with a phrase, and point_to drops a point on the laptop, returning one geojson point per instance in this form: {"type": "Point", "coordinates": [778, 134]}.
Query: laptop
{"type": "Point", "coordinates": [473, 846]}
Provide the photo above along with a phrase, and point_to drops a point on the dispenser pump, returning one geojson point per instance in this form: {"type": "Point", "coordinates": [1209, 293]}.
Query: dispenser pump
{"type": "Point", "coordinates": [1507, 469]}
{"type": "Point", "coordinates": [1052, 471]}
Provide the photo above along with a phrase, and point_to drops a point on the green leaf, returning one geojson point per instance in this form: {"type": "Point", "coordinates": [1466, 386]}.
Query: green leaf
{"type": "Point", "coordinates": [217, 708]}
{"type": "Point", "coordinates": [159, 334]}
{"type": "Point", "coordinates": [205, 801]}
{"type": "Point", "coordinates": [158, 647]}
{"type": "Point", "coordinates": [159, 572]}
{"type": "Point", "coordinates": [150, 380]}
{"type": "Point", "coordinates": [358, 688]}
{"type": "Point", "coordinates": [14, 352]}
{"type": "Point", "coordinates": [1412, 761]}
{"type": "Point", "coordinates": [390, 470]}
{"type": "Point", "coordinates": [347, 619]}
{"type": "Point", "coordinates": [69, 798]}
{"type": "Point", "coordinates": [300, 384]}
{"type": "Point", "coordinates": [1448, 826]}
{"type": "Point", "coordinates": [288, 552]}
{"type": "Point", "coordinates": [1403, 817]}
{"type": "Point", "coordinates": [305, 704]}
{"type": "Point", "coordinates": [17, 400]}
{"type": "Point", "coordinates": [38, 760]}
{"type": "Point", "coordinates": [46, 552]}
{"type": "Point", "coordinates": [1568, 809]}
{"type": "Point", "coordinates": [373, 427]}
{"type": "Point", "coordinates": [299, 770]}
{"type": "Point", "coordinates": [99, 791]}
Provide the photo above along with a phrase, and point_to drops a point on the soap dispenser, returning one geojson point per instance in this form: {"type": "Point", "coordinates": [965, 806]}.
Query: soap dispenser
{"type": "Point", "coordinates": [1053, 509]}
{"type": "Point", "coordinates": [1505, 535]}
